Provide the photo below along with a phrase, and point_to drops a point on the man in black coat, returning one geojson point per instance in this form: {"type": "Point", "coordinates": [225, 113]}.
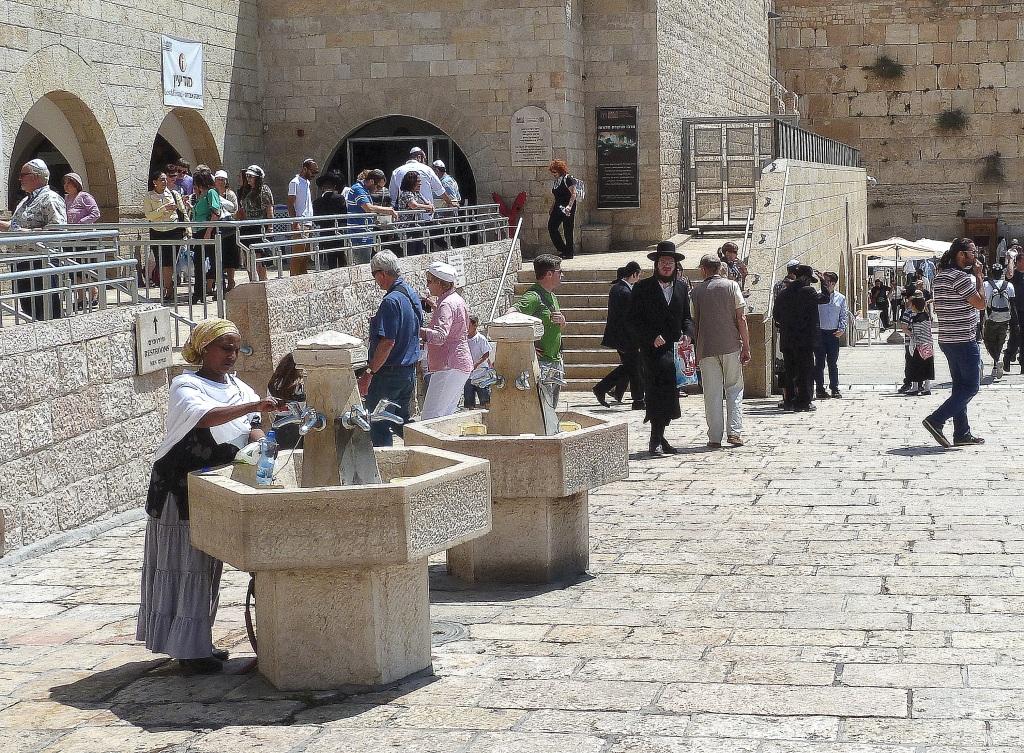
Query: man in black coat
{"type": "Point", "coordinates": [660, 310]}
{"type": "Point", "coordinates": [796, 314]}
{"type": "Point", "coordinates": [618, 334]}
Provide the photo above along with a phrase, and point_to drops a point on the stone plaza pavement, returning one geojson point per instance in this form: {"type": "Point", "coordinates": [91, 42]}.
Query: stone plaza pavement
{"type": "Point", "coordinates": [838, 585]}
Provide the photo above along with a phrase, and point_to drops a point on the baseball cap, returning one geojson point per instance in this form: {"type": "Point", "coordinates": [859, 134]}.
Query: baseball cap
{"type": "Point", "coordinates": [438, 163]}
{"type": "Point", "coordinates": [221, 174]}
{"type": "Point", "coordinates": [416, 150]}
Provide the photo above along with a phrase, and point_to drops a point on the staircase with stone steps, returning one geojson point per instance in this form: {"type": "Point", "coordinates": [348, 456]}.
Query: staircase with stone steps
{"type": "Point", "coordinates": [583, 299]}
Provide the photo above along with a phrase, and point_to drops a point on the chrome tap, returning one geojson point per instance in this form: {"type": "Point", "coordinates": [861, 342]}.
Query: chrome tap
{"type": "Point", "coordinates": [307, 418]}
{"type": "Point", "coordinates": [523, 381]}
{"type": "Point", "coordinates": [358, 416]}
{"type": "Point", "coordinates": [551, 376]}
{"type": "Point", "coordinates": [488, 377]}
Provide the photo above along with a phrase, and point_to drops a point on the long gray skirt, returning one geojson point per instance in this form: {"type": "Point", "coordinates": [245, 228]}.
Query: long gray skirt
{"type": "Point", "coordinates": [180, 589]}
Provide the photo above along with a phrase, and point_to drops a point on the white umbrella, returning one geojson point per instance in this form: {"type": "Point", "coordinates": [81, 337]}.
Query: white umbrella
{"type": "Point", "coordinates": [898, 247]}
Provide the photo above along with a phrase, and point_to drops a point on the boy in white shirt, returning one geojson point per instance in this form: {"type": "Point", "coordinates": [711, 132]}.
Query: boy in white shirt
{"type": "Point", "coordinates": [480, 350]}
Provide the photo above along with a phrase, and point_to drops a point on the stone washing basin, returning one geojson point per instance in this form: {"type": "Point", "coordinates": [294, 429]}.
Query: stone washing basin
{"type": "Point", "coordinates": [539, 485]}
{"type": "Point", "coordinates": [342, 585]}
{"type": "Point", "coordinates": [441, 500]}
{"type": "Point", "coordinates": [532, 465]}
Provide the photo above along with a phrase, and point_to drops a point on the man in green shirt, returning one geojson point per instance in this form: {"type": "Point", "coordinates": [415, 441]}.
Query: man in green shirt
{"type": "Point", "coordinates": [540, 301]}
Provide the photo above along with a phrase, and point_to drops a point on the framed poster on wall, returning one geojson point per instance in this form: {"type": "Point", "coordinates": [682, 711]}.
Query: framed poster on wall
{"type": "Point", "coordinates": [618, 158]}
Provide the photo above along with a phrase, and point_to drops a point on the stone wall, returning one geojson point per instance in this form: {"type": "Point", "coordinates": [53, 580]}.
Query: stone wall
{"type": "Point", "coordinates": [99, 62]}
{"type": "Point", "coordinates": [77, 426]}
{"type": "Point", "coordinates": [274, 315]}
{"type": "Point", "coordinates": [811, 212]}
{"type": "Point", "coordinates": [712, 62]}
{"type": "Point", "coordinates": [966, 56]}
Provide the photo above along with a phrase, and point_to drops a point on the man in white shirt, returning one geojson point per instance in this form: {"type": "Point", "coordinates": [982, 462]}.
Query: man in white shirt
{"type": "Point", "coordinates": [832, 320]}
{"type": "Point", "coordinates": [417, 161]}
{"type": "Point", "coordinates": [300, 206]}
{"type": "Point", "coordinates": [1000, 315]}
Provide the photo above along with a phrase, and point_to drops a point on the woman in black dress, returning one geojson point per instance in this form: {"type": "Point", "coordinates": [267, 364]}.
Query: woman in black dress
{"type": "Point", "coordinates": [563, 208]}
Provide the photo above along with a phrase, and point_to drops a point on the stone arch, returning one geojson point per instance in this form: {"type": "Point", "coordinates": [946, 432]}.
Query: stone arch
{"type": "Point", "coordinates": [189, 133]}
{"type": "Point", "coordinates": [443, 113]}
{"type": "Point", "coordinates": [84, 106]}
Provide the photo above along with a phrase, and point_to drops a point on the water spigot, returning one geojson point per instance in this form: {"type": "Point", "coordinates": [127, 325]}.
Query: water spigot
{"type": "Point", "coordinates": [383, 413]}
{"type": "Point", "coordinates": [488, 377]}
{"type": "Point", "coordinates": [307, 418]}
{"type": "Point", "coordinates": [292, 414]}
{"type": "Point", "coordinates": [312, 421]}
{"type": "Point", "coordinates": [523, 381]}
{"type": "Point", "coordinates": [552, 375]}
{"type": "Point", "coordinates": [355, 417]}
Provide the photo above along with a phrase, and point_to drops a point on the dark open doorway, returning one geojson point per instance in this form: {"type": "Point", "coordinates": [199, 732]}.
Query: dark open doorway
{"type": "Point", "coordinates": [385, 143]}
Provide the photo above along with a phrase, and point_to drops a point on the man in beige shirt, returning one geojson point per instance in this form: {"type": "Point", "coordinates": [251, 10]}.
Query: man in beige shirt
{"type": "Point", "coordinates": [723, 348]}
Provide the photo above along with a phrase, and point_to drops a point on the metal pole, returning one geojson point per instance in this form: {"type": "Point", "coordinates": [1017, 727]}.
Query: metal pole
{"type": "Point", "coordinates": [504, 272]}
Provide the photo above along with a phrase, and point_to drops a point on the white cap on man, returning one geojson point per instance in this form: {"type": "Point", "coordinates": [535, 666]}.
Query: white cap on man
{"type": "Point", "coordinates": [416, 150]}
{"type": "Point", "coordinates": [438, 164]}
{"type": "Point", "coordinates": [221, 174]}
{"type": "Point", "coordinates": [443, 271]}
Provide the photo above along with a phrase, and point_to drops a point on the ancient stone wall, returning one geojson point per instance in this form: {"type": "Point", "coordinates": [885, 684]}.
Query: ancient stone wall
{"type": "Point", "coordinates": [811, 212]}
{"type": "Point", "coordinates": [712, 62]}
{"type": "Point", "coordinates": [99, 62]}
{"type": "Point", "coordinates": [273, 316]}
{"type": "Point", "coordinates": [951, 56]}
{"type": "Point", "coordinates": [465, 67]}
{"type": "Point", "coordinates": [77, 425]}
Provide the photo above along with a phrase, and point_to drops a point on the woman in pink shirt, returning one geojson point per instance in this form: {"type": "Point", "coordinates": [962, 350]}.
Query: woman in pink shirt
{"type": "Point", "coordinates": [448, 357]}
{"type": "Point", "coordinates": [82, 210]}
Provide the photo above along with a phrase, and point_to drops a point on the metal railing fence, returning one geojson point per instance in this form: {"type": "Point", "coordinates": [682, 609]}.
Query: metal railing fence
{"type": "Point", "coordinates": [46, 276]}
{"type": "Point", "coordinates": [794, 142]}
{"type": "Point", "coordinates": [187, 266]}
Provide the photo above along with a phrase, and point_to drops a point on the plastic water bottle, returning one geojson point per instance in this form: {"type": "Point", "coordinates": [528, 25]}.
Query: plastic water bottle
{"type": "Point", "coordinates": [265, 465]}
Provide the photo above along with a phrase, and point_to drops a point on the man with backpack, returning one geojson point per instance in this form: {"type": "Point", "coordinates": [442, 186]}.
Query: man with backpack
{"type": "Point", "coordinates": [1000, 313]}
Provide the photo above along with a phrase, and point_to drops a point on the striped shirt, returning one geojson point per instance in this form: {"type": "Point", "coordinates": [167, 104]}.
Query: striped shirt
{"type": "Point", "coordinates": [957, 318]}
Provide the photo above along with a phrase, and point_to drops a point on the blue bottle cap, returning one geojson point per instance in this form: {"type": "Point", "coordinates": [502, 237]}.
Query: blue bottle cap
{"type": "Point", "coordinates": [271, 436]}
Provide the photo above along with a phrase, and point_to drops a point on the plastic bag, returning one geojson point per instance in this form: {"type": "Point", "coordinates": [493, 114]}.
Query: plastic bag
{"type": "Point", "coordinates": [686, 364]}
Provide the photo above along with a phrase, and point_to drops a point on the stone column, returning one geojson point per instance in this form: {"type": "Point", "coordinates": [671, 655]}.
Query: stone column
{"type": "Point", "coordinates": [513, 411]}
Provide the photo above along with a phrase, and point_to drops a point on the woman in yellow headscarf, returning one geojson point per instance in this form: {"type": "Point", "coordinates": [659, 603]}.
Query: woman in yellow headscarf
{"type": "Point", "coordinates": [211, 415]}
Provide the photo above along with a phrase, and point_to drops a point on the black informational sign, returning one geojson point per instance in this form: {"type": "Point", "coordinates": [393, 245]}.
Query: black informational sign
{"type": "Point", "coordinates": [618, 158]}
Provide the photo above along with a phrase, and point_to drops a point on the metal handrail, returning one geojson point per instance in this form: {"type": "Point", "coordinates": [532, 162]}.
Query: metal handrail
{"type": "Point", "coordinates": [504, 271]}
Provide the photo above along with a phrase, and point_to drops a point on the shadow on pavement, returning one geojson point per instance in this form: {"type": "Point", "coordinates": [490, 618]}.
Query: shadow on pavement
{"type": "Point", "coordinates": [444, 588]}
{"type": "Point", "coordinates": [158, 695]}
{"type": "Point", "coordinates": [910, 452]}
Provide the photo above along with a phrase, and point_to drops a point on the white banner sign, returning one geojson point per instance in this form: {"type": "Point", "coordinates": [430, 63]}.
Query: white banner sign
{"type": "Point", "coordinates": [183, 72]}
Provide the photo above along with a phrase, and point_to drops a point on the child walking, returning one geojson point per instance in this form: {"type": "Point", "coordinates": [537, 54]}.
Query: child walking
{"type": "Point", "coordinates": [921, 369]}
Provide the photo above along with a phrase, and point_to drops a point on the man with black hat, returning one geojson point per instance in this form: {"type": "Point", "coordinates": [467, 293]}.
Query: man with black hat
{"type": "Point", "coordinates": [796, 314]}
{"type": "Point", "coordinates": [660, 309]}
{"type": "Point", "coordinates": [618, 334]}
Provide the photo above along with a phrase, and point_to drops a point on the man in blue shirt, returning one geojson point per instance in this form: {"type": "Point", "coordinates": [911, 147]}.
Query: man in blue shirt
{"type": "Point", "coordinates": [394, 347]}
{"type": "Point", "coordinates": [360, 200]}
{"type": "Point", "coordinates": [832, 320]}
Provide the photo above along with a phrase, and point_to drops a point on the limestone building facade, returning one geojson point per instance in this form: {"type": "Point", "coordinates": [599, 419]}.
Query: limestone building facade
{"type": "Point", "coordinates": [931, 94]}
{"type": "Point", "coordinates": [291, 79]}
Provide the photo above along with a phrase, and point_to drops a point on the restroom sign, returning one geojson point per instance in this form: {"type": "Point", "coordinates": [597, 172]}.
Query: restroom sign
{"type": "Point", "coordinates": [182, 72]}
{"type": "Point", "coordinates": [153, 347]}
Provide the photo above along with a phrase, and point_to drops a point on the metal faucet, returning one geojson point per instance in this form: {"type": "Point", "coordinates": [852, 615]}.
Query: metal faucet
{"type": "Point", "coordinates": [358, 416]}
{"type": "Point", "coordinates": [307, 418]}
{"type": "Point", "coordinates": [523, 381]}
{"type": "Point", "coordinates": [552, 376]}
{"type": "Point", "coordinates": [488, 377]}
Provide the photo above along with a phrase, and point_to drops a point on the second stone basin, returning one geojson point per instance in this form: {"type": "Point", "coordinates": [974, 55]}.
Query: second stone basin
{"type": "Point", "coordinates": [531, 465]}
{"type": "Point", "coordinates": [431, 500]}
{"type": "Point", "coordinates": [540, 484]}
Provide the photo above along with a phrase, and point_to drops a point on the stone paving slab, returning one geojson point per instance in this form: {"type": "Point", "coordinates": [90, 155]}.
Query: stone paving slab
{"type": "Point", "coordinates": [838, 585]}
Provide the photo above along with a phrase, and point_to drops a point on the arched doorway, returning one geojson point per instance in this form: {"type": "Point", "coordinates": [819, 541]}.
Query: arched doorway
{"type": "Point", "coordinates": [62, 131]}
{"type": "Point", "coordinates": [384, 143]}
{"type": "Point", "coordinates": [184, 133]}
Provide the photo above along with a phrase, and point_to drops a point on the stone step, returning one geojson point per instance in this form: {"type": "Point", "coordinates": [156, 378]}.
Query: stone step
{"type": "Point", "coordinates": [583, 328]}
{"type": "Point", "coordinates": [572, 288]}
{"type": "Point", "coordinates": [567, 301]}
{"type": "Point", "coordinates": [603, 356]}
{"type": "Point", "coordinates": [582, 342]}
{"type": "Point", "coordinates": [586, 314]}
{"type": "Point", "coordinates": [594, 371]}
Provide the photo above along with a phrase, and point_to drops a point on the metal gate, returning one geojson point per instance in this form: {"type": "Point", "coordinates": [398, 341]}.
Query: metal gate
{"type": "Point", "coordinates": [723, 162]}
